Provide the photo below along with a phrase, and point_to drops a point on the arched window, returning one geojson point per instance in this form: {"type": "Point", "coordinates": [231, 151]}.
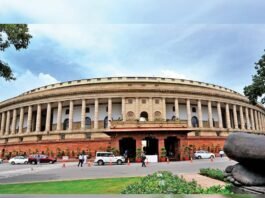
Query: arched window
{"type": "Point", "coordinates": [213, 123]}
{"type": "Point", "coordinates": [194, 121]}
{"type": "Point", "coordinates": [106, 122]}
{"type": "Point", "coordinates": [130, 115]}
{"type": "Point", "coordinates": [88, 123]}
{"type": "Point", "coordinates": [157, 115]}
{"type": "Point", "coordinates": [144, 116]}
{"type": "Point", "coordinates": [66, 124]}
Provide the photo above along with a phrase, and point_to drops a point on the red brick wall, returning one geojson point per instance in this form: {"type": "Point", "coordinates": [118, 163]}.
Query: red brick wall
{"type": "Point", "coordinates": [213, 144]}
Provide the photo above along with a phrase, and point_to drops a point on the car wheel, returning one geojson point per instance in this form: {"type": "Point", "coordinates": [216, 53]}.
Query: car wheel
{"type": "Point", "coordinates": [33, 162]}
{"type": "Point", "coordinates": [50, 162]}
{"type": "Point", "coordinates": [119, 162]}
{"type": "Point", "coordinates": [212, 157]}
{"type": "Point", "coordinates": [100, 162]}
{"type": "Point", "coordinates": [26, 162]}
{"type": "Point", "coordinates": [199, 157]}
{"type": "Point", "coordinates": [13, 163]}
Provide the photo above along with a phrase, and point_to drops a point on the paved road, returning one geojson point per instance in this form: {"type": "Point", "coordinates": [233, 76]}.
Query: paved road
{"type": "Point", "coordinates": [17, 174]}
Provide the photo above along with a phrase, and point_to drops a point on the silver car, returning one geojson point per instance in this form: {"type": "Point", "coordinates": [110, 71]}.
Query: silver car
{"type": "Point", "coordinates": [108, 158]}
{"type": "Point", "coordinates": [201, 154]}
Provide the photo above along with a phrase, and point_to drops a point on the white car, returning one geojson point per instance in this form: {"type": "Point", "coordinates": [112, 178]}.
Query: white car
{"type": "Point", "coordinates": [18, 160]}
{"type": "Point", "coordinates": [108, 158]}
{"type": "Point", "coordinates": [201, 154]}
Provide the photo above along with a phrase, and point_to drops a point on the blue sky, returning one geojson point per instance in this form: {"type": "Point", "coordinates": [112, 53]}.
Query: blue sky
{"type": "Point", "coordinates": [208, 40]}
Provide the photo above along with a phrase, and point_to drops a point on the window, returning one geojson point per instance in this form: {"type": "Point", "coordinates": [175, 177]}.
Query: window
{"type": "Point", "coordinates": [130, 115]}
{"type": "Point", "coordinates": [67, 112]}
{"type": "Point", "coordinates": [143, 101]}
{"type": "Point", "coordinates": [193, 110]}
{"type": "Point", "coordinates": [62, 136]}
{"type": "Point", "coordinates": [106, 122]}
{"type": "Point", "coordinates": [88, 135]}
{"type": "Point", "coordinates": [173, 109]}
{"type": "Point", "coordinates": [194, 121]}
{"type": "Point", "coordinates": [157, 101]}
{"type": "Point", "coordinates": [87, 109]}
{"type": "Point", "coordinates": [130, 101]}
{"type": "Point", "coordinates": [66, 124]}
{"type": "Point", "coordinates": [107, 109]}
{"type": "Point", "coordinates": [88, 123]}
{"type": "Point", "coordinates": [39, 138]}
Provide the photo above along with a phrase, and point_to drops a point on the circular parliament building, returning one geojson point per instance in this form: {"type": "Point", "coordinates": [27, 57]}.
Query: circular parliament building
{"type": "Point", "coordinates": [163, 116]}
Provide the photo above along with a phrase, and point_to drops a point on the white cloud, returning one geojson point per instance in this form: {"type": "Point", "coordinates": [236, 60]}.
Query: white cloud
{"type": "Point", "coordinates": [171, 74]}
{"type": "Point", "coordinates": [23, 83]}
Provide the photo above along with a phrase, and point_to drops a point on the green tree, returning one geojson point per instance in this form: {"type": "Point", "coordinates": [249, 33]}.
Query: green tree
{"type": "Point", "coordinates": [257, 88]}
{"type": "Point", "coordinates": [16, 35]}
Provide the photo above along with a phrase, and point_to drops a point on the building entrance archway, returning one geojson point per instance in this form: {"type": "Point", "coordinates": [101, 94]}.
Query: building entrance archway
{"type": "Point", "coordinates": [172, 147]}
{"type": "Point", "coordinates": [151, 147]}
{"type": "Point", "coordinates": [144, 116]}
{"type": "Point", "coordinates": [128, 144]}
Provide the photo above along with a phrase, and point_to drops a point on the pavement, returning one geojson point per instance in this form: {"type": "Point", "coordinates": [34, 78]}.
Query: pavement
{"type": "Point", "coordinates": [56, 172]}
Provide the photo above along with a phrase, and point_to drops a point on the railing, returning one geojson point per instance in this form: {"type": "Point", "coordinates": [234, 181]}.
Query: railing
{"type": "Point", "coordinates": [148, 124]}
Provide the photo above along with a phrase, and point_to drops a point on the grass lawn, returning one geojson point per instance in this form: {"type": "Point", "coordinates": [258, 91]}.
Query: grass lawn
{"type": "Point", "coordinates": [91, 186]}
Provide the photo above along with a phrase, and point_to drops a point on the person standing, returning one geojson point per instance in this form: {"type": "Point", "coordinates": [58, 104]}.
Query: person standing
{"type": "Point", "coordinates": [125, 155]}
{"type": "Point", "coordinates": [80, 158]}
{"type": "Point", "coordinates": [221, 153]}
{"type": "Point", "coordinates": [143, 158]}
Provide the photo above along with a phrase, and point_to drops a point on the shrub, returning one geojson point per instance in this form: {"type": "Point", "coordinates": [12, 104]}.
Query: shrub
{"type": "Point", "coordinates": [166, 183]}
{"type": "Point", "coordinates": [213, 173]}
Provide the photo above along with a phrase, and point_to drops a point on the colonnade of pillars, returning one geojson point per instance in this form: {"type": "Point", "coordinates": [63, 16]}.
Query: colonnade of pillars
{"type": "Point", "coordinates": [253, 120]}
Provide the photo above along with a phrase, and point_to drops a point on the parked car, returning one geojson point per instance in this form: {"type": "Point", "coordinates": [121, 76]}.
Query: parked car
{"type": "Point", "coordinates": [201, 154]}
{"type": "Point", "coordinates": [107, 158]}
{"type": "Point", "coordinates": [1, 161]}
{"type": "Point", "coordinates": [18, 160]}
{"type": "Point", "coordinates": [33, 159]}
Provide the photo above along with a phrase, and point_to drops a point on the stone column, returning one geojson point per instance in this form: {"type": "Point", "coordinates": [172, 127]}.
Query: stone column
{"type": "Point", "coordinates": [188, 113]}
{"type": "Point", "coordinates": [3, 119]}
{"type": "Point", "coordinates": [252, 119]}
{"type": "Point", "coordinates": [48, 118]}
{"type": "Point", "coordinates": [260, 123]}
{"type": "Point", "coordinates": [210, 115]}
{"type": "Point", "coordinates": [242, 121]}
{"type": "Point", "coordinates": [38, 122]}
{"type": "Point", "coordinates": [59, 117]}
{"type": "Point", "coordinates": [123, 110]}
{"type": "Point", "coordinates": [83, 115]}
{"type": "Point", "coordinates": [200, 114]}
{"type": "Point", "coordinates": [14, 121]}
{"type": "Point", "coordinates": [256, 120]}
{"type": "Point", "coordinates": [21, 120]}
{"type": "Point", "coordinates": [235, 116]}
{"type": "Point", "coordinates": [151, 113]}
{"type": "Point", "coordinates": [7, 123]}
{"type": "Point", "coordinates": [137, 114]}
{"type": "Point", "coordinates": [109, 112]}
{"type": "Point", "coordinates": [227, 112]}
{"type": "Point", "coordinates": [29, 120]}
{"type": "Point", "coordinates": [176, 109]}
{"type": "Point", "coordinates": [220, 120]}
{"type": "Point", "coordinates": [71, 115]}
{"type": "Point", "coordinates": [164, 109]}
{"type": "Point", "coordinates": [96, 114]}
{"type": "Point", "coordinates": [247, 118]}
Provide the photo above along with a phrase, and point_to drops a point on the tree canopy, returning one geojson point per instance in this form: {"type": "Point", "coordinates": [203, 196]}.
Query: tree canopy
{"type": "Point", "coordinates": [16, 35]}
{"type": "Point", "coordinates": [257, 88]}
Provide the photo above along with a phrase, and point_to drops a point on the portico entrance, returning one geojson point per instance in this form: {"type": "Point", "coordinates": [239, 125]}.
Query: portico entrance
{"type": "Point", "coordinates": [128, 144]}
{"type": "Point", "coordinates": [172, 147]}
{"type": "Point", "coordinates": [151, 147]}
